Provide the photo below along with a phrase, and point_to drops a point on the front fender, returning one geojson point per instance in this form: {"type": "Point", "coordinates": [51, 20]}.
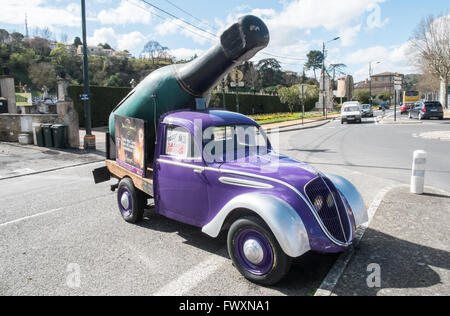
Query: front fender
{"type": "Point", "coordinates": [353, 198]}
{"type": "Point", "coordinates": [281, 218]}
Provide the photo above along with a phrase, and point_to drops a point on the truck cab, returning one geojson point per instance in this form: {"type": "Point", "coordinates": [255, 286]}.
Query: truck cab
{"type": "Point", "coordinates": [216, 170]}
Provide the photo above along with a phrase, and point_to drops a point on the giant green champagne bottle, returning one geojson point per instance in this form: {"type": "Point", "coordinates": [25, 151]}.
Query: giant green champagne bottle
{"type": "Point", "coordinates": [177, 86]}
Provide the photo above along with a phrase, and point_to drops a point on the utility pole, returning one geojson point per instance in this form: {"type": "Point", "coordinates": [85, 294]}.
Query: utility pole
{"type": "Point", "coordinates": [223, 93]}
{"type": "Point", "coordinates": [370, 80]}
{"type": "Point", "coordinates": [89, 139]}
{"type": "Point", "coordinates": [237, 93]}
{"type": "Point", "coordinates": [390, 89]}
{"type": "Point", "coordinates": [27, 35]}
{"type": "Point", "coordinates": [323, 76]}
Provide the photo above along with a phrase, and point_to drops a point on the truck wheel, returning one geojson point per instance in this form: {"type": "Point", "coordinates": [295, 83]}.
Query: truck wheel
{"type": "Point", "coordinates": [131, 201]}
{"type": "Point", "coordinates": [256, 253]}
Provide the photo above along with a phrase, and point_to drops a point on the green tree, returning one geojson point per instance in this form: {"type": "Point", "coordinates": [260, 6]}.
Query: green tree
{"type": "Point", "coordinates": [311, 96]}
{"type": "Point", "coordinates": [60, 59]}
{"type": "Point", "coordinates": [290, 96]}
{"type": "Point", "coordinates": [43, 74]}
{"type": "Point", "coordinates": [17, 37]}
{"type": "Point", "coordinates": [4, 35]}
{"type": "Point", "coordinates": [385, 96]}
{"type": "Point", "coordinates": [270, 72]}
{"type": "Point", "coordinates": [77, 42]}
{"type": "Point", "coordinates": [315, 61]}
{"type": "Point", "coordinates": [363, 96]}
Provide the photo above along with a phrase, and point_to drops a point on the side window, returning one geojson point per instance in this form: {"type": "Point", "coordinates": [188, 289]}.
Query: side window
{"type": "Point", "coordinates": [179, 143]}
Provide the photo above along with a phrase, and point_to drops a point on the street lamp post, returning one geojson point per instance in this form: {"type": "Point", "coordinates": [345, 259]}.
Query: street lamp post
{"type": "Point", "coordinates": [89, 139]}
{"type": "Point", "coordinates": [323, 75]}
{"type": "Point", "coordinates": [370, 81]}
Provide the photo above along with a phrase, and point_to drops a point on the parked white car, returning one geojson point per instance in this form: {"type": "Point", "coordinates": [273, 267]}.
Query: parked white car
{"type": "Point", "coordinates": [351, 112]}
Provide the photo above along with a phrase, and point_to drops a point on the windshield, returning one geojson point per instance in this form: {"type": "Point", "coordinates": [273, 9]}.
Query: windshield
{"type": "Point", "coordinates": [366, 106]}
{"type": "Point", "coordinates": [228, 143]}
{"type": "Point", "coordinates": [412, 93]}
{"type": "Point", "coordinates": [351, 109]}
{"type": "Point", "coordinates": [433, 105]}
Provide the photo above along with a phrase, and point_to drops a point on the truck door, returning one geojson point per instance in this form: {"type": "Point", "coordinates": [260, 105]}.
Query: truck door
{"type": "Point", "coordinates": [182, 193]}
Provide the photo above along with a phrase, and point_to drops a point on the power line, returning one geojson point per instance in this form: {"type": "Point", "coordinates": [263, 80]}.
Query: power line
{"type": "Point", "coordinates": [168, 20]}
{"type": "Point", "coordinates": [191, 15]}
{"type": "Point", "coordinates": [201, 29]}
{"type": "Point", "coordinates": [178, 18]}
{"type": "Point", "coordinates": [283, 57]}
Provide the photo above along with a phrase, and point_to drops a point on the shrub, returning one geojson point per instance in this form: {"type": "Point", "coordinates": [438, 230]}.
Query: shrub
{"type": "Point", "coordinates": [363, 96]}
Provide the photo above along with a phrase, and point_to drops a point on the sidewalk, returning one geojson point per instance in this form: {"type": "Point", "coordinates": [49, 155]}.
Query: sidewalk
{"type": "Point", "coordinates": [20, 160]}
{"type": "Point", "coordinates": [100, 137]}
{"type": "Point", "coordinates": [401, 120]}
{"type": "Point", "coordinates": [409, 238]}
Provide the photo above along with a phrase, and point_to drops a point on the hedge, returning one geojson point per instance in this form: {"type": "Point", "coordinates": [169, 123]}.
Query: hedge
{"type": "Point", "coordinates": [252, 103]}
{"type": "Point", "coordinates": [103, 101]}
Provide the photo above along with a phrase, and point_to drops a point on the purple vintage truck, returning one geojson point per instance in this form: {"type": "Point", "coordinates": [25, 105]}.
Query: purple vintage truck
{"type": "Point", "coordinates": [216, 169]}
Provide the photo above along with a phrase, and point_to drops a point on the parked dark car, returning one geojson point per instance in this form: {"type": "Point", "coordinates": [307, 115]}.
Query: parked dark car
{"type": "Point", "coordinates": [384, 105]}
{"type": "Point", "coordinates": [427, 110]}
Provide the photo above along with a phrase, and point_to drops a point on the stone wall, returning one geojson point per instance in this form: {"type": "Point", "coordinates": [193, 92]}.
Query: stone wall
{"type": "Point", "coordinates": [11, 125]}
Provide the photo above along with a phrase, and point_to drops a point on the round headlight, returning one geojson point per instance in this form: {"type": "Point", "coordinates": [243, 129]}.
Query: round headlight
{"type": "Point", "coordinates": [318, 202]}
{"type": "Point", "coordinates": [330, 201]}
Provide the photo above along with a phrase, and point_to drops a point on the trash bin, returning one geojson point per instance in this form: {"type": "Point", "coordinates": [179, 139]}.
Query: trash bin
{"type": "Point", "coordinates": [47, 130]}
{"type": "Point", "coordinates": [59, 135]}
{"type": "Point", "coordinates": [39, 135]}
{"type": "Point", "coordinates": [3, 105]}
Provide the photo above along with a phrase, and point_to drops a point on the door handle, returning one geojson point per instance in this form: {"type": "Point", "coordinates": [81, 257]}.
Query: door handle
{"type": "Point", "coordinates": [199, 171]}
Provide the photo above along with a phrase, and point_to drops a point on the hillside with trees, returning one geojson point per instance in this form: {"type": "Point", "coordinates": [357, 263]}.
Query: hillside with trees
{"type": "Point", "coordinates": [38, 61]}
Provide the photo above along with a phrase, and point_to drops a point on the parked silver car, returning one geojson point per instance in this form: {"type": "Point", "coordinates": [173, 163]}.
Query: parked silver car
{"type": "Point", "coordinates": [367, 110]}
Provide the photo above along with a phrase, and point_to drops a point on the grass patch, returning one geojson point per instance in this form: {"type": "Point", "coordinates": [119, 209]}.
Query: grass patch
{"type": "Point", "coordinates": [285, 117]}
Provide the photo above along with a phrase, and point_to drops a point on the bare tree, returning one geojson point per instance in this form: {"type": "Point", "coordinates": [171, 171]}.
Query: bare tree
{"type": "Point", "coordinates": [428, 84]}
{"type": "Point", "coordinates": [431, 45]}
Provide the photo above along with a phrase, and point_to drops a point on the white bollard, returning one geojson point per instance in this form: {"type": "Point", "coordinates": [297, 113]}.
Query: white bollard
{"type": "Point", "coordinates": [418, 172]}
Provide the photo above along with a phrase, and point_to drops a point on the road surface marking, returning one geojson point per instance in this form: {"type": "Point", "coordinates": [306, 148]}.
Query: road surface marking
{"type": "Point", "coordinates": [191, 278]}
{"type": "Point", "coordinates": [31, 216]}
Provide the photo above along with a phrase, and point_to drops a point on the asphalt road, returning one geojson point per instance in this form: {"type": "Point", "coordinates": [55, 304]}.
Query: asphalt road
{"type": "Point", "coordinates": [63, 235]}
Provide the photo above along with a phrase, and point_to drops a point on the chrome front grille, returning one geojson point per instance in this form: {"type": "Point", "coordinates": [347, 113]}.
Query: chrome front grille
{"type": "Point", "coordinates": [328, 205]}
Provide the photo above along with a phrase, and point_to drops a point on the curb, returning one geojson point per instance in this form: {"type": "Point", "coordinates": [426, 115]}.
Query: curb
{"type": "Point", "coordinates": [54, 169]}
{"type": "Point", "coordinates": [299, 122]}
{"type": "Point", "coordinates": [288, 129]}
{"type": "Point", "coordinates": [336, 271]}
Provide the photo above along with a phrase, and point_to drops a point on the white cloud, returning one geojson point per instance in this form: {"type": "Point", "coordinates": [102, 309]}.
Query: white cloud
{"type": "Point", "coordinates": [128, 12]}
{"type": "Point", "coordinates": [330, 14]}
{"type": "Point", "coordinates": [171, 27]}
{"type": "Point", "coordinates": [185, 53]}
{"type": "Point", "coordinates": [39, 14]}
{"type": "Point", "coordinates": [132, 42]}
{"type": "Point", "coordinates": [349, 34]}
{"type": "Point", "coordinates": [392, 59]}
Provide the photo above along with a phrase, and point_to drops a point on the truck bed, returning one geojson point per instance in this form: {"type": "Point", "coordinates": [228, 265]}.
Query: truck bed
{"type": "Point", "coordinates": [143, 184]}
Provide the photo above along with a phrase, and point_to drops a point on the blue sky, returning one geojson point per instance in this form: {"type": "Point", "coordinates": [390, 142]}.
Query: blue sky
{"type": "Point", "coordinates": [370, 30]}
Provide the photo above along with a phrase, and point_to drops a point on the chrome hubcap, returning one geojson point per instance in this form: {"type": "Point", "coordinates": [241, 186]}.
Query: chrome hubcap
{"type": "Point", "coordinates": [253, 251]}
{"type": "Point", "coordinates": [125, 201]}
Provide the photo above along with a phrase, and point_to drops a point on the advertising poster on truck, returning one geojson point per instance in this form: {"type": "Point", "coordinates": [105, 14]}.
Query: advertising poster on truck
{"type": "Point", "coordinates": [130, 144]}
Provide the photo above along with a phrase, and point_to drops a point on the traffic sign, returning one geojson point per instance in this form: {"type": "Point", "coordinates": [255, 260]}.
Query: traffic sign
{"type": "Point", "coordinates": [85, 97]}
{"type": "Point", "coordinates": [236, 75]}
{"type": "Point", "coordinates": [239, 84]}
{"type": "Point", "coordinates": [398, 87]}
